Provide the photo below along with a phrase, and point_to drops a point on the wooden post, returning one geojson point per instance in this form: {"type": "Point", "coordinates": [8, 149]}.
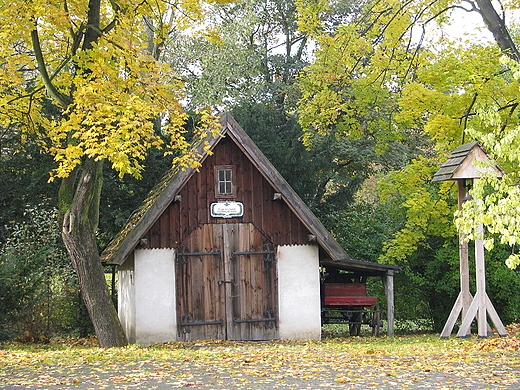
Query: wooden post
{"type": "Point", "coordinates": [463, 254]}
{"type": "Point", "coordinates": [389, 291]}
{"type": "Point", "coordinates": [481, 304]}
{"type": "Point", "coordinates": [481, 283]}
{"type": "Point", "coordinates": [464, 298]}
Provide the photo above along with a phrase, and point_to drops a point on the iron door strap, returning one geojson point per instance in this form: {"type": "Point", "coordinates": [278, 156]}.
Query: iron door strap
{"type": "Point", "coordinates": [186, 322]}
{"type": "Point", "coordinates": [233, 253]}
{"type": "Point", "coordinates": [200, 254]}
{"type": "Point", "coordinates": [268, 252]}
{"type": "Point", "coordinates": [240, 321]}
{"type": "Point", "coordinates": [268, 317]}
{"type": "Point", "coordinates": [197, 323]}
{"type": "Point", "coordinates": [183, 256]}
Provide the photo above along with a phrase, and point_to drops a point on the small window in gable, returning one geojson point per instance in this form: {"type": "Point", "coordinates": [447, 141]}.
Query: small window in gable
{"type": "Point", "coordinates": [225, 186]}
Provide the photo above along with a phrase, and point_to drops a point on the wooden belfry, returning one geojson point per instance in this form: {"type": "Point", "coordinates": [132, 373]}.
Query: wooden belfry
{"type": "Point", "coordinates": [467, 163]}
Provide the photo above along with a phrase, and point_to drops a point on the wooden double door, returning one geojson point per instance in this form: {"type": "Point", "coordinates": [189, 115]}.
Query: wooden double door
{"type": "Point", "coordinates": [226, 284]}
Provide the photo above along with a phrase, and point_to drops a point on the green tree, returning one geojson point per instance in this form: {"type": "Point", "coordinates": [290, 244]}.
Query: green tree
{"type": "Point", "coordinates": [325, 176]}
{"type": "Point", "coordinates": [251, 68]}
{"type": "Point", "coordinates": [384, 74]}
{"type": "Point", "coordinates": [97, 62]}
{"type": "Point", "coordinates": [253, 53]}
{"type": "Point", "coordinates": [392, 72]}
{"type": "Point", "coordinates": [24, 172]}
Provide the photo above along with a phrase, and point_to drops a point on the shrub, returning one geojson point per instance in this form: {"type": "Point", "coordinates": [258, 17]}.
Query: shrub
{"type": "Point", "coordinates": [38, 288]}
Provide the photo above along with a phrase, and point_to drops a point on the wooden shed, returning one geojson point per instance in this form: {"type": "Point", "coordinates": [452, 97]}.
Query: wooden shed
{"type": "Point", "coordinates": [226, 251]}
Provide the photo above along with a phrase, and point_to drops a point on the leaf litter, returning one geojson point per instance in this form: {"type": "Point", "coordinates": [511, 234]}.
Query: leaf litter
{"type": "Point", "coordinates": [403, 362]}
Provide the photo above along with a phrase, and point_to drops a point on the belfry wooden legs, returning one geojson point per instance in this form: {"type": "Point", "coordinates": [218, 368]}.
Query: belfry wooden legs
{"type": "Point", "coordinates": [480, 306]}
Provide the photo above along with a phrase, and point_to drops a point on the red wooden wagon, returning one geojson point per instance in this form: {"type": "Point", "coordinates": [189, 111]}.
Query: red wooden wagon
{"type": "Point", "coordinates": [348, 303]}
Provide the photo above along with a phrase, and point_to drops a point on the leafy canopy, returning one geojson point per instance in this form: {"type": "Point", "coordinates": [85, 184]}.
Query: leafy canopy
{"type": "Point", "coordinates": [98, 71]}
{"type": "Point", "coordinates": [391, 71]}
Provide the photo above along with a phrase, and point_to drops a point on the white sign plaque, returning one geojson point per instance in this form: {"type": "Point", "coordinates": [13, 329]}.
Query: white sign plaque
{"type": "Point", "coordinates": [227, 209]}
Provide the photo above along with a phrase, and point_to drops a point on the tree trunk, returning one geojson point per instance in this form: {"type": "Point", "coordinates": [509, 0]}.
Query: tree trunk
{"type": "Point", "coordinates": [79, 225]}
{"type": "Point", "coordinates": [498, 28]}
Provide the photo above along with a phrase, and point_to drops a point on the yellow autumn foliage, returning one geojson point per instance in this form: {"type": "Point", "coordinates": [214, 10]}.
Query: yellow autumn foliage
{"type": "Point", "coordinates": [94, 97]}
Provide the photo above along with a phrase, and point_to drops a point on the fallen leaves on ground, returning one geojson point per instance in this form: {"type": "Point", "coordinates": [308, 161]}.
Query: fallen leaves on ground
{"type": "Point", "coordinates": [513, 329]}
{"type": "Point", "coordinates": [407, 362]}
{"type": "Point", "coordinates": [502, 344]}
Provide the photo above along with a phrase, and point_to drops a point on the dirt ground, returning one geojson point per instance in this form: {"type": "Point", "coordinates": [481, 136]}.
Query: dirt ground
{"type": "Point", "coordinates": [173, 375]}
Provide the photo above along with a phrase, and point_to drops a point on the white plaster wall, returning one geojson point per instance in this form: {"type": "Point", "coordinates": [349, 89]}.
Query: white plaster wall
{"type": "Point", "coordinates": [126, 298]}
{"type": "Point", "coordinates": [155, 318]}
{"type": "Point", "coordinates": [299, 292]}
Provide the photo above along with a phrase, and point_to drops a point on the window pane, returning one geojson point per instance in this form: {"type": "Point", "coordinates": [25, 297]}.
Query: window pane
{"type": "Point", "coordinates": [225, 181]}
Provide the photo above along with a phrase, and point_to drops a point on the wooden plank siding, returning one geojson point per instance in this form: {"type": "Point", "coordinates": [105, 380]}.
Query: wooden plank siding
{"type": "Point", "coordinates": [273, 218]}
{"type": "Point", "coordinates": [226, 273]}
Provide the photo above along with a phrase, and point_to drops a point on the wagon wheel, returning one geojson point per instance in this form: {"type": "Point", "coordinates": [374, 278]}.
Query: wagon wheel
{"type": "Point", "coordinates": [355, 323]}
{"type": "Point", "coordinates": [376, 322]}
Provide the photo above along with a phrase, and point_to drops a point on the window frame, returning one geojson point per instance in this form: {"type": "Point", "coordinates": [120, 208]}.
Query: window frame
{"type": "Point", "coordinates": [232, 194]}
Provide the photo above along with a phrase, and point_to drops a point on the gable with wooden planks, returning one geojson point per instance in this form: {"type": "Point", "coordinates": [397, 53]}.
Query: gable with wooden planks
{"type": "Point", "coordinates": [255, 193]}
{"type": "Point", "coordinates": [226, 251]}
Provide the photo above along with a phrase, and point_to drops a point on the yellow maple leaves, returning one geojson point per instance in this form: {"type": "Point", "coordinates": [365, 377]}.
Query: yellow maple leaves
{"type": "Point", "coordinates": [112, 99]}
{"type": "Point", "coordinates": [114, 105]}
{"type": "Point", "coordinates": [380, 74]}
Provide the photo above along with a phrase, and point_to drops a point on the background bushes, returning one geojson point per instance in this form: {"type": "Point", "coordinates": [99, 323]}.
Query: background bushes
{"type": "Point", "coordinates": [39, 294]}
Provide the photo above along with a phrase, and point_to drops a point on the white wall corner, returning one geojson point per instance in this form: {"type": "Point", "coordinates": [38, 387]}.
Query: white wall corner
{"type": "Point", "coordinates": [299, 301]}
{"type": "Point", "coordinates": [156, 320]}
{"type": "Point", "coordinates": [126, 297]}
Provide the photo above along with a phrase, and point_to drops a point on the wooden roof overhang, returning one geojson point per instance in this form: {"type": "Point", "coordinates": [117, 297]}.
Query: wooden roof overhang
{"type": "Point", "coordinates": [364, 268]}
{"type": "Point", "coordinates": [163, 194]}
